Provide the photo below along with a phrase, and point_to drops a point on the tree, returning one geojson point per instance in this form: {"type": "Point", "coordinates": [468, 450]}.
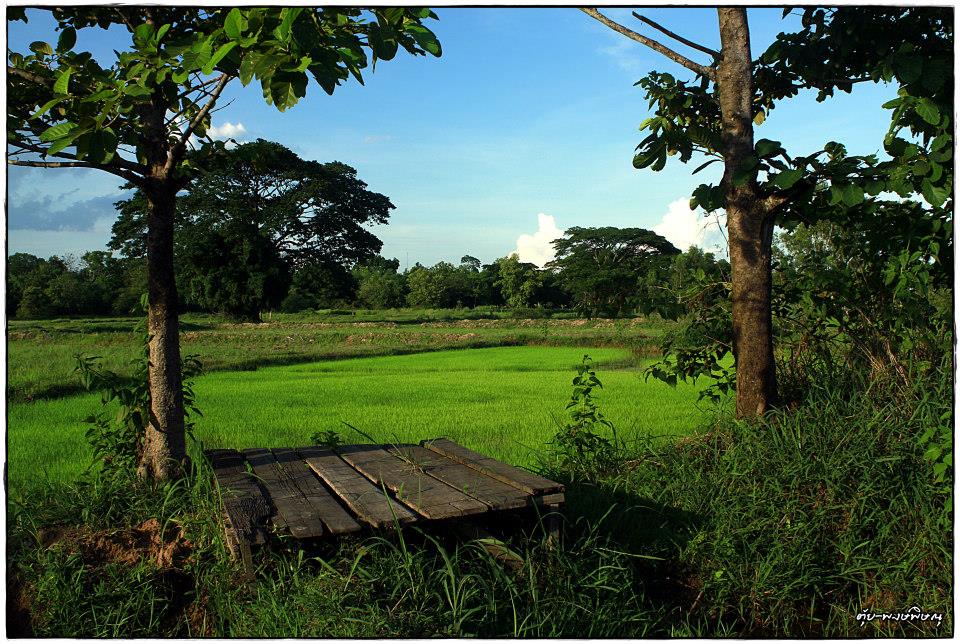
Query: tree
{"type": "Point", "coordinates": [135, 119]}
{"type": "Point", "coordinates": [276, 205]}
{"type": "Point", "coordinates": [308, 211]}
{"type": "Point", "coordinates": [714, 115]}
{"type": "Point", "coordinates": [380, 286]}
{"type": "Point", "coordinates": [443, 285]}
{"type": "Point", "coordinates": [601, 266]}
{"type": "Point", "coordinates": [518, 281]}
{"type": "Point", "coordinates": [20, 267]}
{"type": "Point", "coordinates": [234, 270]}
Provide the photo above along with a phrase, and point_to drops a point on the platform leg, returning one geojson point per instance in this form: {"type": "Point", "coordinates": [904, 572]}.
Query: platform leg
{"type": "Point", "coordinates": [552, 525]}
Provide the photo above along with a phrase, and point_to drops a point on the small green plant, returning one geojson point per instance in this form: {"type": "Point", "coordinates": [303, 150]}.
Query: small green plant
{"type": "Point", "coordinates": [329, 438]}
{"type": "Point", "coordinates": [578, 443]}
{"type": "Point", "coordinates": [117, 438]}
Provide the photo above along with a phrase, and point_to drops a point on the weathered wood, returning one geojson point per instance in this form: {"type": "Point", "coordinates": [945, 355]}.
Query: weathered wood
{"type": "Point", "coordinates": [426, 495]}
{"type": "Point", "coordinates": [244, 502]}
{"type": "Point", "coordinates": [294, 512]}
{"type": "Point", "coordinates": [335, 519]}
{"type": "Point", "coordinates": [312, 491]}
{"type": "Point", "coordinates": [496, 495]}
{"type": "Point", "coordinates": [364, 498]}
{"type": "Point", "coordinates": [521, 479]}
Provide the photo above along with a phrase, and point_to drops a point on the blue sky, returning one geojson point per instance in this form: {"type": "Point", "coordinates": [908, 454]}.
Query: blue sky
{"type": "Point", "coordinates": [528, 111]}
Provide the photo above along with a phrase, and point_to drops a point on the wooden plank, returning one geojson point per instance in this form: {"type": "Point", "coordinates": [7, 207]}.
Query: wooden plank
{"type": "Point", "coordinates": [364, 498]}
{"type": "Point", "coordinates": [244, 502]}
{"type": "Point", "coordinates": [335, 519]}
{"type": "Point", "coordinates": [520, 479]}
{"type": "Point", "coordinates": [495, 494]}
{"type": "Point", "coordinates": [426, 495]}
{"type": "Point", "coordinates": [294, 512]}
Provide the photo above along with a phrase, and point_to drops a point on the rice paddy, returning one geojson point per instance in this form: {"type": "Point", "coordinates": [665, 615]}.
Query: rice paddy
{"type": "Point", "coordinates": [503, 401]}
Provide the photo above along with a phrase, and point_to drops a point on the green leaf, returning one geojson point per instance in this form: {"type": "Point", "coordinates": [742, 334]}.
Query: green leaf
{"type": "Point", "coordinates": [68, 38]}
{"type": "Point", "coordinates": [136, 90]}
{"type": "Point", "coordinates": [59, 145]}
{"type": "Point", "coordinates": [247, 66]}
{"type": "Point", "coordinates": [143, 34]}
{"type": "Point", "coordinates": [222, 51]}
{"type": "Point", "coordinates": [785, 180]}
{"type": "Point", "coordinates": [384, 47]}
{"type": "Point", "coordinates": [934, 195]}
{"type": "Point", "coordinates": [161, 32]}
{"type": "Point", "coordinates": [766, 147]}
{"type": "Point", "coordinates": [46, 106]}
{"type": "Point", "coordinates": [286, 89]}
{"type": "Point", "coordinates": [874, 188]}
{"type": "Point", "coordinates": [40, 48]}
{"type": "Point", "coordinates": [907, 67]}
{"type": "Point", "coordinates": [928, 111]}
{"type": "Point", "coordinates": [936, 71]}
{"type": "Point", "coordinates": [235, 24]}
{"type": "Point", "coordinates": [63, 81]}
{"type": "Point", "coordinates": [289, 14]}
{"type": "Point", "coordinates": [425, 38]}
{"type": "Point", "coordinates": [704, 165]}
{"type": "Point", "coordinates": [852, 195]}
{"type": "Point", "coordinates": [836, 195]}
{"type": "Point", "coordinates": [57, 131]}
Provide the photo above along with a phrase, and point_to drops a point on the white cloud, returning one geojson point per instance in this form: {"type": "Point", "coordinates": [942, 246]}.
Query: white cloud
{"type": "Point", "coordinates": [625, 54]}
{"type": "Point", "coordinates": [684, 228]}
{"type": "Point", "coordinates": [227, 131]}
{"type": "Point", "coordinates": [376, 138]}
{"type": "Point", "coordinates": [536, 248]}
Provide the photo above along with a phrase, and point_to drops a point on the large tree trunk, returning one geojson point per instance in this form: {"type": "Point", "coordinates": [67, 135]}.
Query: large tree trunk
{"type": "Point", "coordinates": [164, 447]}
{"type": "Point", "coordinates": [749, 224]}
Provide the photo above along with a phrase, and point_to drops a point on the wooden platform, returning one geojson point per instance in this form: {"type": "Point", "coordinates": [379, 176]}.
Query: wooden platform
{"type": "Point", "coordinates": [311, 492]}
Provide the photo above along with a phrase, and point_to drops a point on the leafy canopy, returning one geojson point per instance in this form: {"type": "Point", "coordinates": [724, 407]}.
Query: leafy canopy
{"type": "Point", "coordinates": [835, 49]}
{"type": "Point", "coordinates": [601, 266]}
{"type": "Point", "coordinates": [305, 210]}
{"type": "Point", "coordinates": [176, 66]}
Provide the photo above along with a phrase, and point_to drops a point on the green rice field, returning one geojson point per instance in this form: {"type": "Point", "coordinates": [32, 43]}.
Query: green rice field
{"type": "Point", "coordinates": [503, 401]}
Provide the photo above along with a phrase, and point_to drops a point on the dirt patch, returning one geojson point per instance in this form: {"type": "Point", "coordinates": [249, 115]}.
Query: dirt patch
{"type": "Point", "coordinates": [130, 546]}
{"type": "Point", "coordinates": [18, 608]}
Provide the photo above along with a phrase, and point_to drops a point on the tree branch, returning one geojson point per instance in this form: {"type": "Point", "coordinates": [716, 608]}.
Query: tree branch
{"type": "Point", "coordinates": [181, 145]}
{"type": "Point", "coordinates": [30, 76]}
{"type": "Point", "coordinates": [709, 72]}
{"type": "Point", "coordinates": [678, 38]}
{"type": "Point", "coordinates": [129, 176]}
{"type": "Point", "coordinates": [116, 166]}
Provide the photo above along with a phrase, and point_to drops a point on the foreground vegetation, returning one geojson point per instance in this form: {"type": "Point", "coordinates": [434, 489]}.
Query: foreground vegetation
{"type": "Point", "coordinates": [792, 526]}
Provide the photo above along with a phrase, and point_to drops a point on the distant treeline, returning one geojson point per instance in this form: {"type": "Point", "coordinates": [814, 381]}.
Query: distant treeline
{"type": "Point", "coordinates": [263, 230]}
{"type": "Point", "coordinates": [100, 284]}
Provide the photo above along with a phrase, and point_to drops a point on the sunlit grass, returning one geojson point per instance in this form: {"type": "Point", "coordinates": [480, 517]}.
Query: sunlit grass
{"type": "Point", "coordinates": [504, 402]}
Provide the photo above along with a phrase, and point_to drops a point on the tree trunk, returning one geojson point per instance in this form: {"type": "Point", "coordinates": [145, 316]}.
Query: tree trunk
{"type": "Point", "coordinates": [749, 224]}
{"type": "Point", "coordinates": [164, 447]}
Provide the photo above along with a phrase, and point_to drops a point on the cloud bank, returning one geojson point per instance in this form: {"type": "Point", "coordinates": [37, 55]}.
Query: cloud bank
{"type": "Point", "coordinates": [684, 228]}
{"type": "Point", "coordinates": [536, 248]}
{"type": "Point", "coordinates": [227, 131]}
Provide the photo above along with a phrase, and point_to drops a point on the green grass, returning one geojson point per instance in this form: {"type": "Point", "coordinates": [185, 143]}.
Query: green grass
{"type": "Point", "coordinates": [503, 402]}
{"type": "Point", "coordinates": [40, 354]}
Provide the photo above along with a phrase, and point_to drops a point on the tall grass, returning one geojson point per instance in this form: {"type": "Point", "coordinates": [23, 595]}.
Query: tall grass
{"type": "Point", "coordinates": [792, 526]}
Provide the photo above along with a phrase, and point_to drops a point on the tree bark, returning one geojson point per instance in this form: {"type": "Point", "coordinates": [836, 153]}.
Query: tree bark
{"type": "Point", "coordinates": [164, 449]}
{"type": "Point", "coordinates": [164, 452]}
{"type": "Point", "coordinates": [749, 223]}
